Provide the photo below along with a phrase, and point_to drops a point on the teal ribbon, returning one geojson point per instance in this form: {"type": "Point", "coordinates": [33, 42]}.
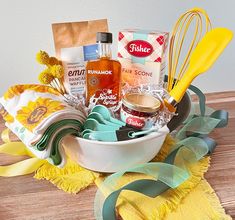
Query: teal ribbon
{"type": "Point", "coordinates": [193, 143]}
{"type": "Point", "coordinates": [202, 98]}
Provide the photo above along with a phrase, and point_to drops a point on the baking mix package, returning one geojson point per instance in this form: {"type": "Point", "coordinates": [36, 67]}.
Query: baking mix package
{"type": "Point", "coordinates": [142, 56]}
{"type": "Point", "coordinates": [75, 43]}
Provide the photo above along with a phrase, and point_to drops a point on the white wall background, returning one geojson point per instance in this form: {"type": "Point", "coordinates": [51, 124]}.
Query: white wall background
{"type": "Point", "coordinates": [25, 28]}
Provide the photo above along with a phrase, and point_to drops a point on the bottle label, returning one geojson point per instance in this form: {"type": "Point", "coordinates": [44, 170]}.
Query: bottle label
{"type": "Point", "coordinates": [105, 97]}
{"type": "Point", "coordinates": [105, 72]}
{"type": "Point", "coordinates": [90, 52]}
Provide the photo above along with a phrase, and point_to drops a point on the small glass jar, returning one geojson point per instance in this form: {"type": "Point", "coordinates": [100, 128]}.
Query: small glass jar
{"type": "Point", "coordinates": [139, 110]}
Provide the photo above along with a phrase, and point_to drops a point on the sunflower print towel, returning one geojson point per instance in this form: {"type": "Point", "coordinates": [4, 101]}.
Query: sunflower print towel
{"type": "Point", "coordinates": [40, 117]}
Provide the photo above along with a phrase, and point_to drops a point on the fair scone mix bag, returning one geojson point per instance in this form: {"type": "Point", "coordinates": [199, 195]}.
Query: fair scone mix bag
{"type": "Point", "coordinates": [142, 55]}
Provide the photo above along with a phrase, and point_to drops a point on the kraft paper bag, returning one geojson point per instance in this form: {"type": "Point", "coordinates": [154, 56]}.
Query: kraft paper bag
{"type": "Point", "coordinates": [75, 43]}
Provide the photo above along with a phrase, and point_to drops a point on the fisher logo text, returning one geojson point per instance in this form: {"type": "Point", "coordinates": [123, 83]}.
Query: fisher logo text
{"type": "Point", "coordinates": [135, 122]}
{"type": "Point", "coordinates": [139, 48]}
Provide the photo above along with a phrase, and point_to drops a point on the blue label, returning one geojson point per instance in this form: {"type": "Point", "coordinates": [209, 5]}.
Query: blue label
{"type": "Point", "coordinates": [90, 52]}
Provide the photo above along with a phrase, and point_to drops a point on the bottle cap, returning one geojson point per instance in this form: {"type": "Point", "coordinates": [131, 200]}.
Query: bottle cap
{"type": "Point", "coordinates": [104, 37]}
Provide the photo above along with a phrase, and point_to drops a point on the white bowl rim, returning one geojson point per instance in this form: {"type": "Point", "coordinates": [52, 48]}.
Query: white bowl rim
{"type": "Point", "coordinates": [163, 130]}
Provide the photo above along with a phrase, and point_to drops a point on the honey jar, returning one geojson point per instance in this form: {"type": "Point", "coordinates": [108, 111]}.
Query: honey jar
{"type": "Point", "coordinates": [139, 110]}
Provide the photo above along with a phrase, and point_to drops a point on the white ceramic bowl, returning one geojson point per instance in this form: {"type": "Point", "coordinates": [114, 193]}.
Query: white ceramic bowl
{"type": "Point", "coordinates": [114, 156]}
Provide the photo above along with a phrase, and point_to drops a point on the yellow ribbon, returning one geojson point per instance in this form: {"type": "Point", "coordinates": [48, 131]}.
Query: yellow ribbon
{"type": "Point", "coordinates": [23, 167]}
{"type": "Point", "coordinates": [5, 136]}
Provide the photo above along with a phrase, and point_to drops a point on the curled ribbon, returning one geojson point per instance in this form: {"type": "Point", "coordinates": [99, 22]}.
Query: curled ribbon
{"type": "Point", "coordinates": [23, 167]}
{"type": "Point", "coordinates": [5, 136]}
{"type": "Point", "coordinates": [192, 145]}
{"type": "Point", "coordinates": [169, 174]}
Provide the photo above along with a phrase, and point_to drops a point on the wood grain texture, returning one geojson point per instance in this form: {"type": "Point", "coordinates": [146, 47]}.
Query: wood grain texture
{"type": "Point", "coordinates": [24, 198]}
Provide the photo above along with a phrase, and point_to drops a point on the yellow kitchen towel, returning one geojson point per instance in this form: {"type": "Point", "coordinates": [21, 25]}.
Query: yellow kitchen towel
{"type": "Point", "coordinates": [194, 199]}
{"type": "Point", "coordinates": [40, 117]}
{"type": "Point", "coordinates": [200, 204]}
{"type": "Point", "coordinates": [72, 178]}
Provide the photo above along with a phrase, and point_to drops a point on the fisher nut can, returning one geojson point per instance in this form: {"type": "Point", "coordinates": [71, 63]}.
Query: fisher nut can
{"type": "Point", "coordinates": [139, 110]}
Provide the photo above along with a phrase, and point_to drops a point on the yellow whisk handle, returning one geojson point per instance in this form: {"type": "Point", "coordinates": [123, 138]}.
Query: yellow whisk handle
{"type": "Point", "coordinates": [179, 90]}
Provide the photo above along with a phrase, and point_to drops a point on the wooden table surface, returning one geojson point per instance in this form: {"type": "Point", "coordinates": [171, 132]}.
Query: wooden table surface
{"type": "Point", "coordinates": [26, 198]}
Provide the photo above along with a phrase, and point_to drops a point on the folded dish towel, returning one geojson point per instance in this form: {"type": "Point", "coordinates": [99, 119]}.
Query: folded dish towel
{"type": "Point", "coordinates": [40, 117]}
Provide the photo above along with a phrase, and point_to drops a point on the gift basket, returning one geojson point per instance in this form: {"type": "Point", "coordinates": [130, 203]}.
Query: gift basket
{"type": "Point", "coordinates": [110, 115]}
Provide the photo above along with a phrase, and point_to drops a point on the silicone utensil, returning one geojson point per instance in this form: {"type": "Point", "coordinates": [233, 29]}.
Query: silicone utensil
{"type": "Point", "coordinates": [94, 125]}
{"type": "Point", "coordinates": [86, 131]}
{"type": "Point", "coordinates": [192, 25]}
{"type": "Point", "coordinates": [135, 134]}
{"type": "Point", "coordinates": [203, 57]}
{"type": "Point", "coordinates": [109, 135]}
{"type": "Point", "coordinates": [97, 116]}
{"type": "Point", "coordinates": [101, 135]}
{"type": "Point", "coordinates": [107, 115]}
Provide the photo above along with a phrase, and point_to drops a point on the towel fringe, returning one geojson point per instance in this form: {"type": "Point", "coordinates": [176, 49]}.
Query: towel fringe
{"type": "Point", "coordinates": [71, 179]}
{"type": "Point", "coordinates": [214, 201]}
{"type": "Point", "coordinates": [175, 196]}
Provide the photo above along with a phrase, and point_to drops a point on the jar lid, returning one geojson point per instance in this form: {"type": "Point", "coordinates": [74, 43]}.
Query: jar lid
{"type": "Point", "coordinates": [141, 102]}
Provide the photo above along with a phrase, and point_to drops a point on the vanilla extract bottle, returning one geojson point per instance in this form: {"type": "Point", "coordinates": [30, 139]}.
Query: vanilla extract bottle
{"type": "Point", "coordinates": [103, 75]}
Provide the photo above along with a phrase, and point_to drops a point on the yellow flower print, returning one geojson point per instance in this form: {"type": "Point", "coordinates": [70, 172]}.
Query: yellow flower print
{"type": "Point", "coordinates": [14, 91]}
{"type": "Point", "coordinates": [35, 112]}
{"type": "Point", "coordinates": [18, 89]}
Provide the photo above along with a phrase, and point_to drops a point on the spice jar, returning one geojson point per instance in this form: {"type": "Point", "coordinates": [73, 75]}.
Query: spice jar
{"type": "Point", "coordinates": [139, 110]}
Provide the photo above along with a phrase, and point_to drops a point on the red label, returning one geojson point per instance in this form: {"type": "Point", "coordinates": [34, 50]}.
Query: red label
{"type": "Point", "coordinates": [139, 48]}
{"type": "Point", "coordinates": [135, 122]}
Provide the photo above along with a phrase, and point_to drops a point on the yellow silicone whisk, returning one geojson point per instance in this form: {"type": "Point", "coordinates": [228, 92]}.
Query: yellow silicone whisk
{"type": "Point", "coordinates": [194, 21]}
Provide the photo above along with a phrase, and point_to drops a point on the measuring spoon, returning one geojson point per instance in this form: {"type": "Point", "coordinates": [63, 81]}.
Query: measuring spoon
{"type": "Point", "coordinates": [86, 131]}
{"type": "Point", "coordinates": [101, 136]}
{"type": "Point", "coordinates": [107, 115]}
{"type": "Point", "coordinates": [94, 125]}
{"type": "Point", "coordinates": [98, 117]}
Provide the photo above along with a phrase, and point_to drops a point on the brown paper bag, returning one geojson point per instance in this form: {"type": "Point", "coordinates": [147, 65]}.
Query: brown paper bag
{"type": "Point", "coordinates": [75, 43]}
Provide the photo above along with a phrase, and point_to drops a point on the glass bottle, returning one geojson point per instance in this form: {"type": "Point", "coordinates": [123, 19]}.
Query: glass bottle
{"type": "Point", "coordinates": [103, 75]}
